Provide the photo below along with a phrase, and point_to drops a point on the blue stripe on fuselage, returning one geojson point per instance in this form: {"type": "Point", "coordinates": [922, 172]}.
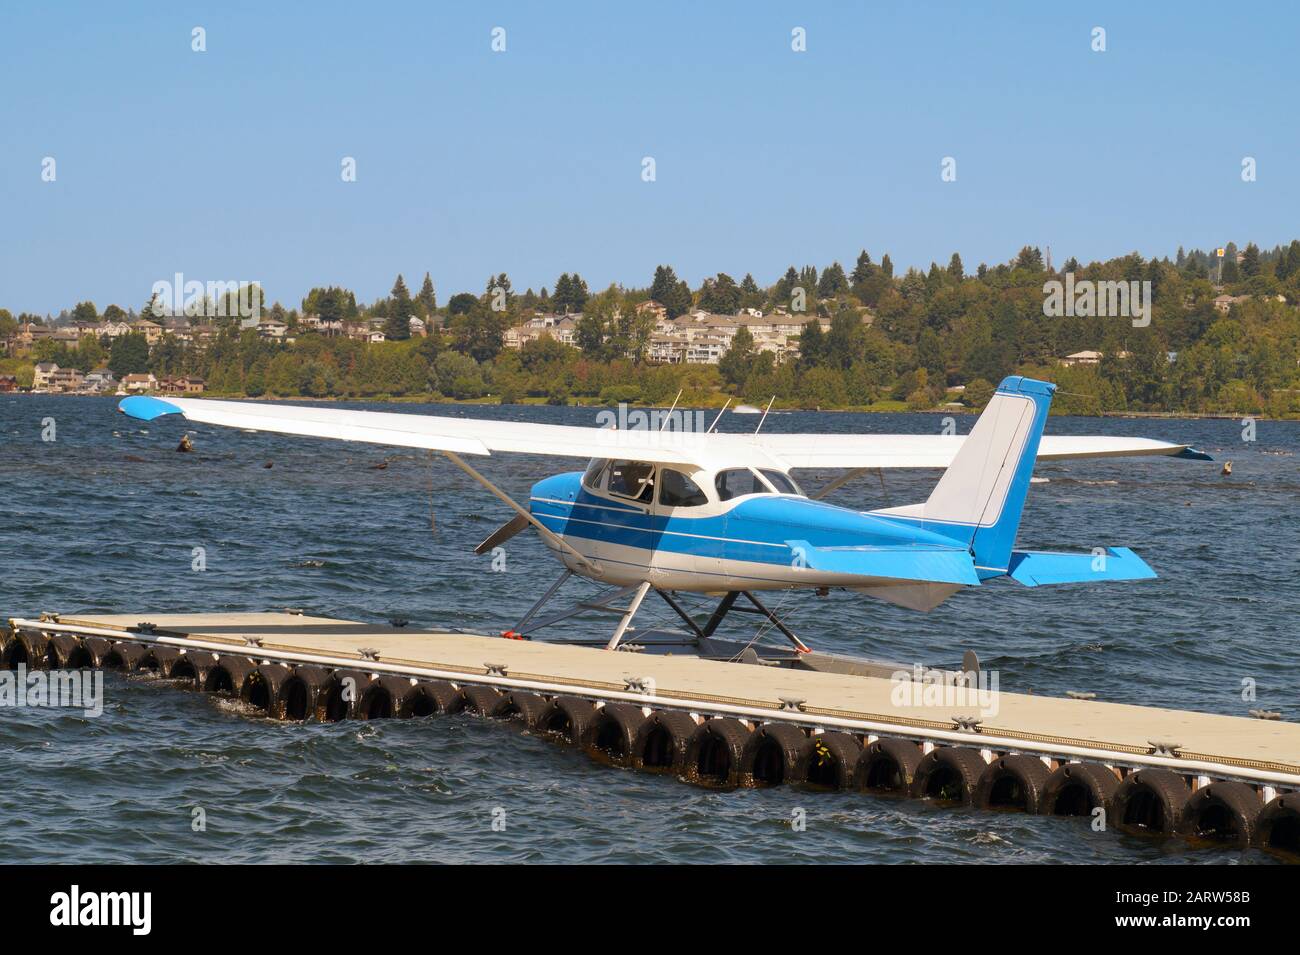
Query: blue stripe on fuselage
{"type": "Point", "coordinates": [756, 529]}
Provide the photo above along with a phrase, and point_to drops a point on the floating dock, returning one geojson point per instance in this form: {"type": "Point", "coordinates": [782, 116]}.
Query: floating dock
{"type": "Point", "coordinates": [1143, 769]}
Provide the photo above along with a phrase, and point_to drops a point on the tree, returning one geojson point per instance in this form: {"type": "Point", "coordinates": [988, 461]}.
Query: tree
{"type": "Point", "coordinates": [955, 268]}
{"type": "Point", "coordinates": [115, 313]}
{"type": "Point", "coordinates": [670, 292]}
{"type": "Point", "coordinates": [570, 293]}
{"type": "Point", "coordinates": [85, 312]}
{"type": "Point", "coordinates": [812, 344]}
{"type": "Point", "coordinates": [887, 266]}
{"type": "Point", "coordinates": [738, 362]}
{"type": "Point", "coordinates": [1030, 259]}
{"type": "Point", "coordinates": [426, 303]}
{"type": "Point", "coordinates": [478, 332]}
{"type": "Point", "coordinates": [462, 303]}
{"type": "Point", "coordinates": [397, 327]}
{"type": "Point", "coordinates": [129, 354]}
{"type": "Point", "coordinates": [721, 295]}
{"type": "Point", "coordinates": [832, 282]}
{"type": "Point", "coordinates": [1250, 261]}
{"type": "Point", "coordinates": [863, 269]}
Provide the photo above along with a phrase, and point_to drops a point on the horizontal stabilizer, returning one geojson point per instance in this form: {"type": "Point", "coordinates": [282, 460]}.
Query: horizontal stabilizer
{"type": "Point", "coordinates": [905, 562]}
{"type": "Point", "coordinates": [1035, 568]}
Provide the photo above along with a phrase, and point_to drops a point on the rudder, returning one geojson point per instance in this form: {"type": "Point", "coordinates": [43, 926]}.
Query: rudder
{"type": "Point", "coordinates": [980, 498]}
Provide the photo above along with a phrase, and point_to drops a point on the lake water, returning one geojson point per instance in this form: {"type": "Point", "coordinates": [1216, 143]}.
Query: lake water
{"type": "Point", "coordinates": [106, 516]}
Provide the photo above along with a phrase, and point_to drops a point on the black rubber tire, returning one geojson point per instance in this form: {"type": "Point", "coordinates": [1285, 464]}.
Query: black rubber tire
{"type": "Point", "coordinates": [32, 648]}
{"type": "Point", "coordinates": [1013, 783]}
{"type": "Point", "coordinates": [486, 701]}
{"type": "Point", "coordinates": [1224, 812]}
{"type": "Point", "coordinates": [662, 741]}
{"type": "Point", "coordinates": [949, 774]}
{"type": "Point", "coordinates": [132, 655]}
{"type": "Point", "coordinates": [383, 697]}
{"type": "Point", "coordinates": [830, 762]}
{"type": "Point", "coordinates": [239, 668]}
{"type": "Point", "coordinates": [262, 685]}
{"type": "Point", "coordinates": [774, 754]}
{"type": "Point", "coordinates": [444, 697]}
{"type": "Point", "coordinates": [611, 736]}
{"type": "Point", "coordinates": [715, 753]}
{"type": "Point", "coordinates": [166, 658]}
{"type": "Point", "coordinates": [527, 707]}
{"type": "Point", "coordinates": [99, 649]}
{"type": "Point", "coordinates": [568, 719]}
{"type": "Point", "coordinates": [1077, 789]}
{"type": "Point", "coordinates": [888, 765]}
{"type": "Point", "coordinates": [1151, 802]}
{"type": "Point", "coordinates": [301, 693]}
{"type": "Point", "coordinates": [331, 704]}
{"type": "Point", "coordinates": [1278, 826]}
{"type": "Point", "coordinates": [68, 652]}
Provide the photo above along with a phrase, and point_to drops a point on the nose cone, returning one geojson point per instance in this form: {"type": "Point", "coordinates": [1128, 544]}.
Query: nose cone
{"type": "Point", "coordinates": [826, 525]}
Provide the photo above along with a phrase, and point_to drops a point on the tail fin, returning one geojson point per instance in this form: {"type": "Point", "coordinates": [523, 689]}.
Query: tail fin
{"type": "Point", "coordinates": [979, 499]}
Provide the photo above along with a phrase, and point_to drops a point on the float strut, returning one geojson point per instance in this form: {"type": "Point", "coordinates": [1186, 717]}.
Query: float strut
{"type": "Point", "coordinates": [628, 614]}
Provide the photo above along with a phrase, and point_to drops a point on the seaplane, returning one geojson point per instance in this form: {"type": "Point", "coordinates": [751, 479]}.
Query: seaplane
{"type": "Point", "coordinates": [721, 516]}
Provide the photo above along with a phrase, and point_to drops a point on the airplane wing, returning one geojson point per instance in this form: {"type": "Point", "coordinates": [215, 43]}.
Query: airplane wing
{"type": "Point", "coordinates": [937, 451]}
{"type": "Point", "coordinates": [435, 432]}
{"type": "Point", "coordinates": [481, 436]}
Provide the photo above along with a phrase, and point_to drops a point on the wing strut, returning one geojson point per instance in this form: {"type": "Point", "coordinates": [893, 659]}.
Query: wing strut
{"type": "Point", "coordinates": [523, 512]}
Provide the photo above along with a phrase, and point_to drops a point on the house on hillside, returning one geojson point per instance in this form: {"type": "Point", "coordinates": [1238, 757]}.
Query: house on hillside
{"type": "Point", "coordinates": [42, 374]}
{"type": "Point", "coordinates": [140, 382]}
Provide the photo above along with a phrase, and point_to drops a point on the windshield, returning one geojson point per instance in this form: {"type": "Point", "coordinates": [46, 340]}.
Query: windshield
{"type": "Point", "coordinates": [735, 482]}
{"type": "Point", "coordinates": [783, 483]}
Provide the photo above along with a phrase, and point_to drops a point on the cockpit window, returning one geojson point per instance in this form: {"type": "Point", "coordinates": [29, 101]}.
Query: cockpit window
{"type": "Point", "coordinates": [677, 490]}
{"type": "Point", "coordinates": [780, 481]}
{"type": "Point", "coordinates": [737, 481]}
{"type": "Point", "coordinates": [634, 479]}
{"type": "Point", "coordinates": [595, 473]}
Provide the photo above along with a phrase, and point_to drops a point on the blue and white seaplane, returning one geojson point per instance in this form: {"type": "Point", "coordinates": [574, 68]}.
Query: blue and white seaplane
{"type": "Point", "coordinates": [707, 513]}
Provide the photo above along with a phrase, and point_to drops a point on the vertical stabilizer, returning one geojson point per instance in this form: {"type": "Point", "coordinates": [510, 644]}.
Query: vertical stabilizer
{"type": "Point", "coordinates": [980, 497]}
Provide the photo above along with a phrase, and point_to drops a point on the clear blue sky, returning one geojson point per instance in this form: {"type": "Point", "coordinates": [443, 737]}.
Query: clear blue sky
{"type": "Point", "coordinates": [226, 164]}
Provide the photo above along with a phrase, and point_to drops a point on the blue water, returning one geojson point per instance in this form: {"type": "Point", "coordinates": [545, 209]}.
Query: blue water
{"type": "Point", "coordinates": [105, 517]}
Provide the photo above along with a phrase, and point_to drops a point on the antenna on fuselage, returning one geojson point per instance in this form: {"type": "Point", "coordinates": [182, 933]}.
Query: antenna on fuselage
{"type": "Point", "coordinates": [669, 417]}
{"type": "Point", "coordinates": [719, 417]}
{"type": "Point", "coordinates": [765, 411]}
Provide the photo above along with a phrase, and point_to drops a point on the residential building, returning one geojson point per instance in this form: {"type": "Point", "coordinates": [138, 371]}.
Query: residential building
{"type": "Point", "coordinates": [42, 374]}
{"type": "Point", "coordinates": [140, 382]}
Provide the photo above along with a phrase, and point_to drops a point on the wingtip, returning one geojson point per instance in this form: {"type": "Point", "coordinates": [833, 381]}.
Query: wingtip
{"type": "Point", "coordinates": [1192, 454]}
{"type": "Point", "coordinates": [146, 407]}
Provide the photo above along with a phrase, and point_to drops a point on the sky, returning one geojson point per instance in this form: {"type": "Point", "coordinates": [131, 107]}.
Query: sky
{"type": "Point", "coordinates": [226, 164]}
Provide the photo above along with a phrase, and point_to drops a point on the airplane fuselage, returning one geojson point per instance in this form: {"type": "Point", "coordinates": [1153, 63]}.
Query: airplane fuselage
{"type": "Point", "coordinates": [764, 540]}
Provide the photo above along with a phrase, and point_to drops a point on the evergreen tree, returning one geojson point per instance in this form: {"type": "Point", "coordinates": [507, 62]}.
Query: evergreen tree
{"type": "Point", "coordinates": [426, 302]}
{"type": "Point", "coordinates": [1250, 261]}
{"type": "Point", "coordinates": [397, 326]}
{"type": "Point", "coordinates": [812, 344]}
{"type": "Point", "coordinates": [863, 269]}
{"type": "Point", "coordinates": [1030, 259]}
{"type": "Point", "coordinates": [737, 363]}
{"type": "Point", "coordinates": [833, 281]}
{"type": "Point", "coordinates": [887, 266]}
{"type": "Point", "coordinates": [955, 268]}
{"type": "Point", "coordinates": [721, 295]}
